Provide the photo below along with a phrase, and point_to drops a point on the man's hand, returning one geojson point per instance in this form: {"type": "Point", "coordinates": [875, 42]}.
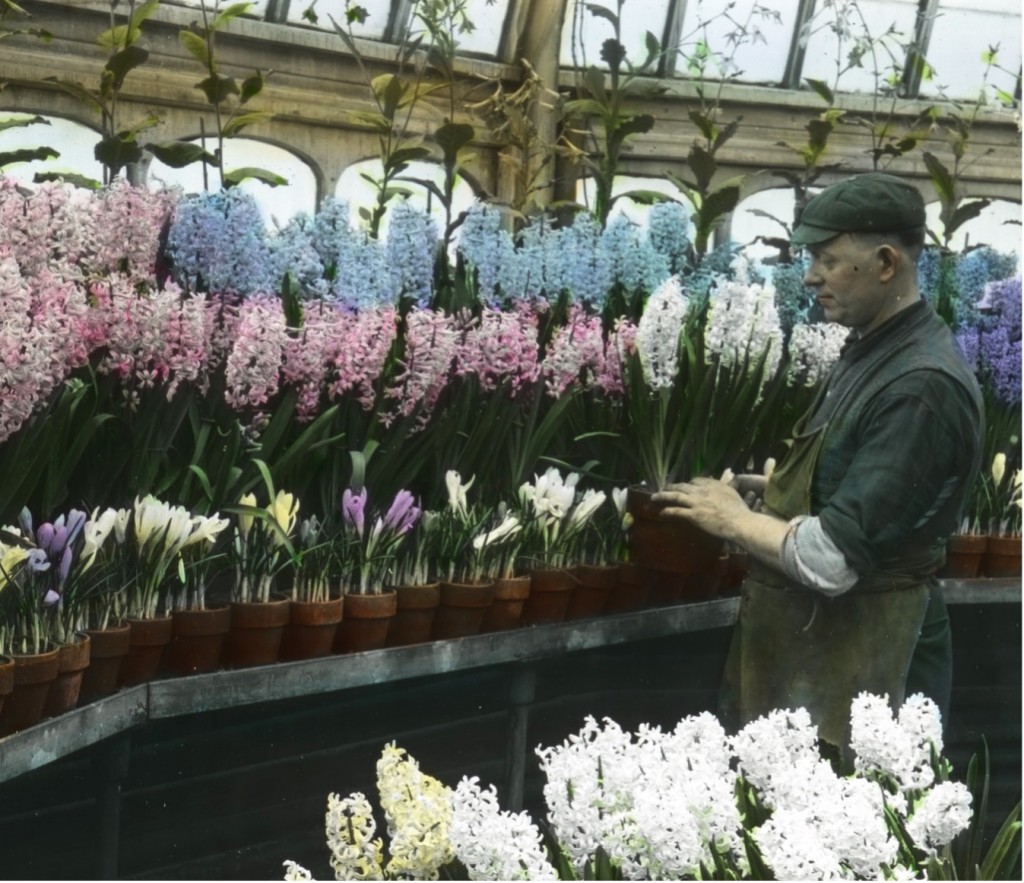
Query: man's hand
{"type": "Point", "coordinates": [751, 487]}
{"type": "Point", "coordinates": [712, 505]}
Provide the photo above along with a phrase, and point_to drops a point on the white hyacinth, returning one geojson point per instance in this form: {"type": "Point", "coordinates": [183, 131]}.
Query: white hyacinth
{"type": "Point", "coordinates": [743, 323]}
{"type": "Point", "coordinates": [943, 813]}
{"type": "Point", "coordinates": [813, 350]}
{"type": "Point", "coordinates": [494, 844]}
{"type": "Point", "coordinates": [900, 747]}
{"type": "Point", "coordinates": [657, 334]}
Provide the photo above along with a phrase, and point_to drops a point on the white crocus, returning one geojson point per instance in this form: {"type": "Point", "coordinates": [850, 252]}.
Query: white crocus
{"type": "Point", "coordinates": [507, 529]}
{"type": "Point", "coordinates": [151, 518]}
{"type": "Point", "coordinates": [179, 530]}
{"type": "Point", "coordinates": [457, 500]}
{"type": "Point", "coordinates": [584, 510]}
{"type": "Point", "coordinates": [244, 519]}
{"type": "Point", "coordinates": [998, 467]}
{"type": "Point", "coordinates": [121, 522]}
{"type": "Point", "coordinates": [206, 529]}
{"type": "Point", "coordinates": [95, 533]}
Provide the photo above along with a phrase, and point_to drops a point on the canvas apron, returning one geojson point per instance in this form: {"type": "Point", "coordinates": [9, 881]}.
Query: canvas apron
{"type": "Point", "coordinates": [795, 647]}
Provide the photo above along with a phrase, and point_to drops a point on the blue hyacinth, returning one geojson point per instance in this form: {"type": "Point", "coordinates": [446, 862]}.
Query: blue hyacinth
{"type": "Point", "coordinates": [668, 229]}
{"type": "Point", "coordinates": [635, 264]}
{"type": "Point", "coordinates": [411, 247]}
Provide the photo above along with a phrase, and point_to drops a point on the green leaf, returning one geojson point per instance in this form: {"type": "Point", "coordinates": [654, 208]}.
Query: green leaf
{"type": "Point", "coordinates": [217, 88]}
{"type": "Point", "coordinates": [942, 181]}
{"type": "Point", "coordinates": [115, 153]}
{"type": "Point", "coordinates": [235, 125]}
{"type": "Point", "coordinates": [26, 154]}
{"type": "Point", "coordinates": [124, 61]}
{"type": "Point", "coordinates": [593, 81]}
{"type": "Point", "coordinates": [388, 90]}
{"type": "Point", "coordinates": [252, 86]}
{"type": "Point", "coordinates": [406, 155]}
{"type": "Point", "coordinates": [83, 181]}
{"type": "Point", "coordinates": [822, 89]}
{"type": "Point", "coordinates": [290, 303]}
{"type": "Point", "coordinates": [119, 36]}
{"type": "Point", "coordinates": [452, 137]}
{"type": "Point", "coordinates": [703, 166]}
{"type": "Point", "coordinates": [703, 122]}
{"type": "Point", "coordinates": [228, 13]}
{"type": "Point", "coordinates": [603, 12]}
{"type": "Point", "coordinates": [644, 197]}
{"type": "Point", "coordinates": [21, 123]}
{"type": "Point", "coordinates": [178, 154]}
{"type": "Point", "coordinates": [653, 46]}
{"type": "Point", "coordinates": [237, 176]}
{"type": "Point", "coordinates": [196, 45]}
{"type": "Point", "coordinates": [965, 213]}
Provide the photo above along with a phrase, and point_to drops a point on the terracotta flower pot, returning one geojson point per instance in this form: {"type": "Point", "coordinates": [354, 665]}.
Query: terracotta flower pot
{"type": "Point", "coordinates": [963, 556]}
{"type": "Point", "coordinates": [632, 590]}
{"type": "Point", "coordinates": [366, 621]}
{"type": "Point", "coordinates": [414, 616]}
{"type": "Point", "coordinates": [147, 642]}
{"type": "Point", "coordinates": [671, 545]}
{"type": "Point", "coordinates": [506, 608]}
{"type": "Point", "coordinates": [1001, 558]}
{"type": "Point", "coordinates": [257, 628]}
{"type": "Point", "coordinates": [72, 661]}
{"type": "Point", "coordinates": [735, 571]}
{"type": "Point", "coordinates": [550, 589]}
{"type": "Point", "coordinates": [197, 640]}
{"type": "Point", "coordinates": [6, 679]}
{"type": "Point", "coordinates": [33, 674]}
{"type": "Point", "coordinates": [462, 609]}
{"type": "Point", "coordinates": [594, 583]}
{"type": "Point", "coordinates": [107, 649]}
{"type": "Point", "coordinates": [312, 626]}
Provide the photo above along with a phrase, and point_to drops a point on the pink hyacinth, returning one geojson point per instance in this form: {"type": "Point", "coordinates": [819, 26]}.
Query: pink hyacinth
{"type": "Point", "coordinates": [253, 369]}
{"type": "Point", "coordinates": [432, 341]}
{"type": "Point", "coordinates": [41, 339]}
{"type": "Point", "coordinates": [34, 227]}
{"type": "Point", "coordinates": [309, 353]}
{"type": "Point", "coordinates": [576, 353]}
{"type": "Point", "coordinates": [125, 225]}
{"type": "Point", "coordinates": [620, 345]}
{"type": "Point", "coordinates": [502, 347]}
{"type": "Point", "coordinates": [365, 339]}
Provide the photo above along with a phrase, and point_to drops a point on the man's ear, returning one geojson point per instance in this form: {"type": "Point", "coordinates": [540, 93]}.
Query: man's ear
{"type": "Point", "coordinates": [889, 262]}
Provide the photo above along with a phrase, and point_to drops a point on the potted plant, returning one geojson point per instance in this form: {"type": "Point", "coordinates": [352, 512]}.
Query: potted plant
{"type": "Point", "coordinates": [1002, 552]}
{"type": "Point", "coordinates": [499, 547]}
{"type": "Point", "coordinates": [198, 629]}
{"type": "Point", "coordinates": [369, 543]}
{"type": "Point", "coordinates": [260, 548]}
{"type": "Point", "coordinates": [417, 590]}
{"type": "Point", "coordinates": [317, 604]}
{"type": "Point", "coordinates": [555, 517]}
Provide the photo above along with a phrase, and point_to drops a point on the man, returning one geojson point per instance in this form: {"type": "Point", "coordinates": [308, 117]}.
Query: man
{"type": "Point", "coordinates": [856, 516]}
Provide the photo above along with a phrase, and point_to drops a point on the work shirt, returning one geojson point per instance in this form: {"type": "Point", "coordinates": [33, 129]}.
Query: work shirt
{"type": "Point", "coordinates": [901, 451]}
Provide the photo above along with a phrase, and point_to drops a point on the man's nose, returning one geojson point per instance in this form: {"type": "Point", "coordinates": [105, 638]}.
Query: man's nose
{"type": "Point", "coordinates": [812, 277]}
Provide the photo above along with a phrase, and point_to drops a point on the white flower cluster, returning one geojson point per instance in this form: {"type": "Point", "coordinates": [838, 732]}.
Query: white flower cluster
{"type": "Point", "coordinates": [657, 334]}
{"type": "Point", "coordinates": [901, 746]}
{"type": "Point", "coordinates": [657, 806]}
{"type": "Point", "coordinates": [494, 844]}
{"type": "Point", "coordinates": [813, 349]}
{"type": "Point", "coordinates": [743, 323]}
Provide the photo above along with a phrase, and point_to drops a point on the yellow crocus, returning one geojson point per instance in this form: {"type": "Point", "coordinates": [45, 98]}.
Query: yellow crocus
{"type": "Point", "coordinates": [998, 467]}
{"type": "Point", "coordinates": [244, 520]}
{"type": "Point", "coordinates": [285, 511]}
{"type": "Point", "coordinates": [10, 558]}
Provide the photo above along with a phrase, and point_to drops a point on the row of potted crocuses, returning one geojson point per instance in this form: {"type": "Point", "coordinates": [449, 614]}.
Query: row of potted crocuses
{"type": "Point", "coordinates": [118, 597]}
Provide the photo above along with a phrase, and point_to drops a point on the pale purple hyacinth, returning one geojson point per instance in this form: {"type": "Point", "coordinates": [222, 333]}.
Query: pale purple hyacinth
{"type": "Point", "coordinates": [993, 347]}
{"type": "Point", "coordinates": [502, 348]}
{"type": "Point", "coordinates": [576, 354]}
{"type": "Point", "coordinates": [401, 517]}
{"type": "Point", "coordinates": [253, 367]}
{"type": "Point", "coordinates": [353, 509]}
{"type": "Point", "coordinates": [367, 338]}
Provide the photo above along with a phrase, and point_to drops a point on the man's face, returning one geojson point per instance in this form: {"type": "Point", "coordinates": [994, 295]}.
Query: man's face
{"type": "Point", "coordinates": [846, 280]}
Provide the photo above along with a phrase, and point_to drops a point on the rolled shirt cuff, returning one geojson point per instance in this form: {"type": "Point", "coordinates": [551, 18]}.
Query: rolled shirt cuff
{"type": "Point", "coordinates": [810, 557]}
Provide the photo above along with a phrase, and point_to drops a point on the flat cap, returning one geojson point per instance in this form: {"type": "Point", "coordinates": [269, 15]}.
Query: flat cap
{"type": "Point", "coordinates": [870, 203]}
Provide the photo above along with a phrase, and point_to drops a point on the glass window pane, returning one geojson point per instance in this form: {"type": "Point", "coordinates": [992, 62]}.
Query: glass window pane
{"type": "Point", "coordinates": [257, 8]}
{"type": "Point", "coordinates": [961, 32]}
{"type": "Point", "coordinates": [372, 29]}
{"type": "Point", "coordinates": [753, 40]}
{"type": "Point", "coordinates": [277, 204]}
{"type": "Point", "coordinates": [746, 225]}
{"type": "Point", "coordinates": [360, 193]}
{"type": "Point", "coordinates": [74, 142]}
{"type": "Point", "coordinates": [634, 211]}
{"type": "Point", "coordinates": [829, 42]}
{"type": "Point", "coordinates": [595, 30]}
{"type": "Point", "coordinates": [488, 17]}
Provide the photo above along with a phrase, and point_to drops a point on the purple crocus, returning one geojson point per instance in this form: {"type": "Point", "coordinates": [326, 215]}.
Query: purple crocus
{"type": "Point", "coordinates": [45, 536]}
{"type": "Point", "coordinates": [353, 509]}
{"type": "Point", "coordinates": [403, 513]}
